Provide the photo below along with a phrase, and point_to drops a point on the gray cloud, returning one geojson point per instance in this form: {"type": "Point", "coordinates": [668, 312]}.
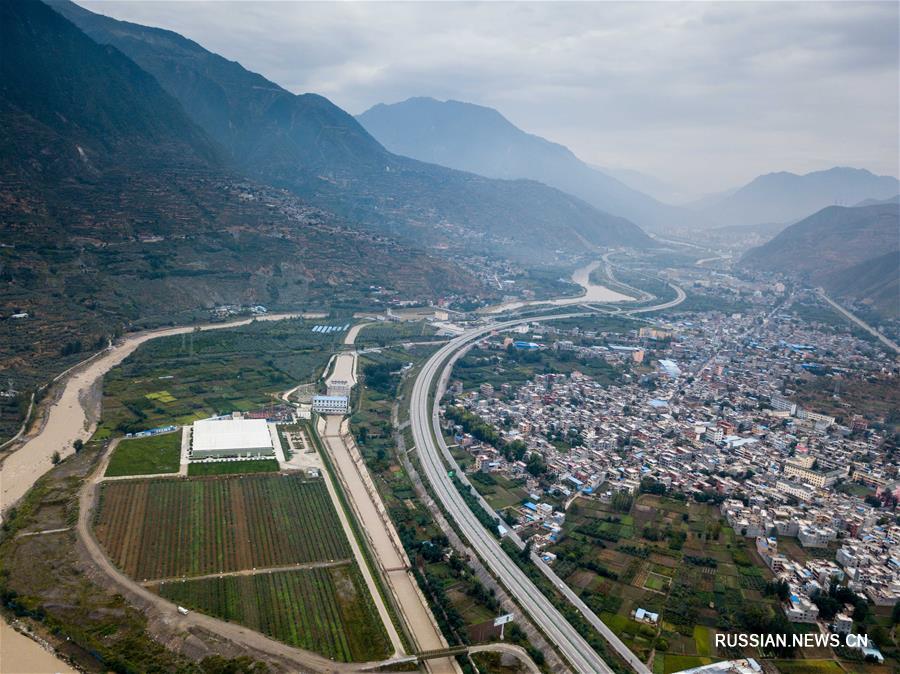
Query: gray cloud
{"type": "Point", "coordinates": [704, 95]}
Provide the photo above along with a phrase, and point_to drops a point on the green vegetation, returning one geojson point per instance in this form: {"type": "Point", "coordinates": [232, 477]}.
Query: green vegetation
{"type": "Point", "coordinates": [176, 380]}
{"type": "Point", "coordinates": [457, 598]}
{"type": "Point", "coordinates": [515, 367]}
{"type": "Point", "coordinates": [146, 456]}
{"type": "Point", "coordinates": [386, 333]}
{"type": "Point", "coordinates": [808, 666]}
{"type": "Point", "coordinates": [500, 492]}
{"type": "Point", "coordinates": [671, 556]}
{"type": "Point", "coordinates": [168, 528]}
{"type": "Point", "coordinates": [233, 467]}
{"type": "Point", "coordinates": [42, 583]}
{"type": "Point", "coordinates": [326, 610]}
{"type": "Point", "coordinates": [371, 422]}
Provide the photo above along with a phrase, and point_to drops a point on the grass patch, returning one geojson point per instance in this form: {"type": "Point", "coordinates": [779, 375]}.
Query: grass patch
{"type": "Point", "coordinates": [808, 666]}
{"type": "Point", "coordinates": [701, 640]}
{"type": "Point", "coordinates": [146, 456]}
{"type": "Point", "coordinates": [676, 663]}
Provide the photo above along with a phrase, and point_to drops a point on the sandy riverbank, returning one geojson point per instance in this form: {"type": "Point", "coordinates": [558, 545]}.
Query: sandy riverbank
{"type": "Point", "coordinates": [582, 277]}
{"type": "Point", "coordinates": [72, 415]}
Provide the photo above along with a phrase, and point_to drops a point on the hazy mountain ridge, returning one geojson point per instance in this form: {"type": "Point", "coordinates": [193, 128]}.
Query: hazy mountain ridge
{"type": "Point", "coordinates": [787, 197]}
{"type": "Point", "coordinates": [307, 144]}
{"type": "Point", "coordinates": [850, 251]}
{"type": "Point", "coordinates": [481, 140]}
{"type": "Point", "coordinates": [116, 210]}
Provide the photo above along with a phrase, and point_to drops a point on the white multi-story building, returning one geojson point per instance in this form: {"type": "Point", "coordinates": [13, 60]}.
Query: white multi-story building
{"type": "Point", "coordinates": [799, 609]}
{"type": "Point", "coordinates": [331, 404]}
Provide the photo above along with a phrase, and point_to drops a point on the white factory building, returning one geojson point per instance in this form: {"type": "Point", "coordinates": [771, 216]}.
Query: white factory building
{"type": "Point", "coordinates": [331, 404]}
{"type": "Point", "coordinates": [231, 437]}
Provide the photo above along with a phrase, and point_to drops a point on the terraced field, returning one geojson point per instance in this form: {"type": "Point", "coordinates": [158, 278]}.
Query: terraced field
{"type": "Point", "coordinates": [169, 528]}
{"type": "Point", "coordinates": [327, 610]}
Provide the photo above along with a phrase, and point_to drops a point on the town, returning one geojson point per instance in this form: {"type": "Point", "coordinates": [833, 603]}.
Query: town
{"type": "Point", "coordinates": [712, 406]}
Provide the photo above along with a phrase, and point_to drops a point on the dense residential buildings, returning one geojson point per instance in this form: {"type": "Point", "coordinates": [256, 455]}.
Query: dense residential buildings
{"type": "Point", "coordinates": [711, 408]}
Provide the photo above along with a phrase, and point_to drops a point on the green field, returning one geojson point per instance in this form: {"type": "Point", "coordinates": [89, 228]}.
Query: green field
{"type": "Point", "coordinates": [808, 666]}
{"type": "Point", "coordinates": [665, 555]}
{"type": "Point", "coordinates": [669, 663]}
{"type": "Point", "coordinates": [233, 467]}
{"type": "Point", "coordinates": [326, 610]}
{"type": "Point", "coordinates": [382, 334]}
{"type": "Point", "coordinates": [166, 528]}
{"type": "Point", "coordinates": [146, 456]}
{"type": "Point", "coordinates": [500, 492]}
{"type": "Point", "coordinates": [179, 379]}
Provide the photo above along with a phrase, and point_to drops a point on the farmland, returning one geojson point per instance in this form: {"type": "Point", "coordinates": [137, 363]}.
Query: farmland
{"type": "Point", "coordinates": [667, 556]}
{"type": "Point", "coordinates": [146, 456]}
{"type": "Point", "coordinates": [179, 379]}
{"type": "Point", "coordinates": [233, 467]}
{"type": "Point", "coordinates": [327, 610]}
{"type": "Point", "coordinates": [165, 528]}
{"type": "Point", "coordinates": [382, 334]}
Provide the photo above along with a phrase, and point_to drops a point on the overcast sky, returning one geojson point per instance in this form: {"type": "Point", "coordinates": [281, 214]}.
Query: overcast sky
{"type": "Point", "coordinates": [702, 95]}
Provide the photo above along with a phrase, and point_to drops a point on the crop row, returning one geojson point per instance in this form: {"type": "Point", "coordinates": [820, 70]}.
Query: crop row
{"type": "Point", "coordinates": [326, 610]}
{"type": "Point", "coordinates": [167, 528]}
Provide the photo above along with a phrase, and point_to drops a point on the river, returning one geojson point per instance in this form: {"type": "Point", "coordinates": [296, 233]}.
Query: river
{"type": "Point", "coordinates": [66, 420]}
{"type": "Point", "coordinates": [21, 655]}
{"type": "Point", "coordinates": [582, 277]}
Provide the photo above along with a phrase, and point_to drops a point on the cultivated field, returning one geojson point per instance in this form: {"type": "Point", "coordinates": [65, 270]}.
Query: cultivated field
{"type": "Point", "coordinates": [664, 555]}
{"type": "Point", "coordinates": [327, 610]}
{"type": "Point", "coordinates": [164, 528]}
{"type": "Point", "coordinates": [233, 467]}
{"type": "Point", "coordinates": [179, 379]}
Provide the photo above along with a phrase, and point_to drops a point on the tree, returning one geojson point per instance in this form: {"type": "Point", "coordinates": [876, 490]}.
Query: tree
{"type": "Point", "coordinates": [78, 445]}
{"type": "Point", "coordinates": [536, 465]}
{"type": "Point", "coordinates": [56, 458]}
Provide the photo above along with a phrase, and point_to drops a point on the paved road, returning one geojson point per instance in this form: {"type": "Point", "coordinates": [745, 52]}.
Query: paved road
{"type": "Point", "coordinates": [424, 418]}
{"type": "Point", "coordinates": [680, 295]}
{"type": "Point", "coordinates": [891, 344]}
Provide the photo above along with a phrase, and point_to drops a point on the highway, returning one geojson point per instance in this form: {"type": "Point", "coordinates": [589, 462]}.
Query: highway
{"type": "Point", "coordinates": [850, 316]}
{"type": "Point", "coordinates": [425, 428]}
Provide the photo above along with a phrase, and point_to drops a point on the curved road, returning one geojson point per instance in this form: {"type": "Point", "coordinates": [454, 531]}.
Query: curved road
{"type": "Point", "coordinates": [425, 428]}
{"type": "Point", "coordinates": [67, 418]}
{"type": "Point", "coordinates": [294, 658]}
{"type": "Point", "coordinates": [679, 298]}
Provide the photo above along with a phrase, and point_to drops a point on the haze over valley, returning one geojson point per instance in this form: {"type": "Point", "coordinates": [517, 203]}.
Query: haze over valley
{"type": "Point", "coordinates": [449, 337]}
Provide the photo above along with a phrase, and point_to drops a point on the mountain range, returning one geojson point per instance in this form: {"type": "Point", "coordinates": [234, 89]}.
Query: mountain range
{"type": "Point", "coordinates": [310, 146]}
{"type": "Point", "coordinates": [786, 197]}
{"type": "Point", "coordinates": [118, 210]}
{"type": "Point", "coordinates": [852, 252]}
{"type": "Point", "coordinates": [480, 140]}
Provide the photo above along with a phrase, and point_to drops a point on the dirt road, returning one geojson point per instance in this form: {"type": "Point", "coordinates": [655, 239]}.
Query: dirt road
{"type": "Point", "coordinates": [293, 659]}
{"type": "Point", "coordinates": [72, 416]}
{"type": "Point", "coordinates": [384, 543]}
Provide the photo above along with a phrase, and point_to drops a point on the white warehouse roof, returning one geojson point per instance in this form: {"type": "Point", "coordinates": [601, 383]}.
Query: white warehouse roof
{"type": "Point", "coordinates": [226, 434]}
